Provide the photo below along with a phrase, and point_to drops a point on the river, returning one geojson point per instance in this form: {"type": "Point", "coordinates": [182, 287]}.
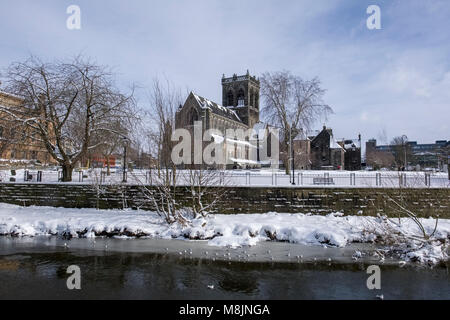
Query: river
{"type": "Point", "coordinates": [35, 268]}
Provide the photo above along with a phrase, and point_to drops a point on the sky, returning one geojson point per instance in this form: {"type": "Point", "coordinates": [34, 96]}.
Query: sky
{"type": "Point", "coordinates": [380, 83]}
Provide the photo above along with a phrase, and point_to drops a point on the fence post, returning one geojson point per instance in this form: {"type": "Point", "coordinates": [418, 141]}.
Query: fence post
{"type": "Point", "coordinates": [378, 179]}
{"type": "Point", "coordinates": [25, 175]}
{"type": "Point", "coordinates": [427, 179]}
{"type": "Point", "coordinates": [352, 179]}
{"type": "Point", "coordinates": [300, 178]}
{"type": "Point", "coordinates": [247, 178]}
{"type": "Point", "coordinates": [403, 179]}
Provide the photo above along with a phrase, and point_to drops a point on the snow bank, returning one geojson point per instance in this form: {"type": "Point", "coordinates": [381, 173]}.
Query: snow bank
{"type": "Point", "coordinates": [219, 230]}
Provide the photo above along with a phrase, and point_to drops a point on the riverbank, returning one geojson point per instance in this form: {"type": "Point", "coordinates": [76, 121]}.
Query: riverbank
{"type": "Point", "coordinates": [233, 231]}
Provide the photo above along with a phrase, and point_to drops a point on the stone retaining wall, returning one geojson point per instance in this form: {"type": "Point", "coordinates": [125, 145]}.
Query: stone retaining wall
{"type": "Point", "coordinates": [424, 202]}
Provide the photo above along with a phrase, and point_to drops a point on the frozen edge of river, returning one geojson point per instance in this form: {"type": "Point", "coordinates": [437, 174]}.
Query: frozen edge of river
{"type": "Point", "coordinates": [223, 231]}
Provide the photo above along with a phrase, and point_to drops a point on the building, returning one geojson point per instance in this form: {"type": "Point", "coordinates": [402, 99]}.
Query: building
{"type": "Point", "coordinates": [326, 153]}
{"type": "Point", "coordinates": [19, 144]}
{"type": "Point", "coordinates": [352, 157]}
{"type": "Point", "coordinates": [427, 155]}
{"type": "Point", "coordinates": [240, 113]}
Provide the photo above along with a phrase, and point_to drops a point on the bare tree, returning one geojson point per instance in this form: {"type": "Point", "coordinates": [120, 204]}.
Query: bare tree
{"type": "Point", "coordinates": [164, 100]}
{"type": "Point", "coordinates": [68, 104]}
{"type": "Point", "coordinates": [401, 151]}
{"type": "Point", "coordinates": [292, 104]}
{"type": "Point", "coordinates": [110, 141]}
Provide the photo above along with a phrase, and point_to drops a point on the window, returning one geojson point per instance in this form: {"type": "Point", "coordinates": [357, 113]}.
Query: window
{"type": "Point", "coordinates": [241, 98]}
{"type": "Point", "coordinates": [230, 99]}
{"type": "Point", "coordinates": [193, 117]}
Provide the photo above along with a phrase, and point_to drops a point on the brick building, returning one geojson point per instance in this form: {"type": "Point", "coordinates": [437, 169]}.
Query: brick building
{"type": "Point", "coordinates": [18, 143]}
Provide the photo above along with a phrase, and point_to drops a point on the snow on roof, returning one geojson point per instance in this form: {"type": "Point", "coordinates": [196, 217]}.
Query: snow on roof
{"type": "Point", "coordinates": [334, 144]}
{"type": "Point", "coordinates": [216, 108]}
{"type": "Point", "coordinates": [242, 142]}
{"type": "Point", "coordinates": [246, 161]}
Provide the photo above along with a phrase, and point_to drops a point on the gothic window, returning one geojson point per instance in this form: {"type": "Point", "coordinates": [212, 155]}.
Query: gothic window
{"type": "Point", "coordinates": [256, 102]}
{"type": "Point", "coordinates": [252, 99]}
{"type": "Point", "coordinates": [193, 117]}
{"type": "Point", "coordinates": [230, 99]}
{"type": "Point", "coordinates": [241, 98]}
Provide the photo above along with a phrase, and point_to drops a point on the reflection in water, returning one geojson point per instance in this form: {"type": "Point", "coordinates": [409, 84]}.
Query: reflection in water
{"type": "Point", "coordinates": [166, 276]}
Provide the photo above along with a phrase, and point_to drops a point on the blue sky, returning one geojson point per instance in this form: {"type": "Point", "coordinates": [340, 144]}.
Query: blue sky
{"type": "Point", "coordinates": [380, 83]}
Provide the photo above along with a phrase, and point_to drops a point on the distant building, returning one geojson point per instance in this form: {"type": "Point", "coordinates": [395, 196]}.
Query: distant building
{"type": "Point", "coordinates": [18, 143]}
{"type": "Point", "coordinates": [302, 153]}
{"type": "Point", "coordinates": [326, 153]}
{"type": "Point", "coordinates": [427, 155]}
{"type": "Point", "coordinates": [352, 158]}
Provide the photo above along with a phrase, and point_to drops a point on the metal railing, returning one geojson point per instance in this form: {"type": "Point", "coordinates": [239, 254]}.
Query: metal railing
{"type": "Point", "coordinates": [249, 178]}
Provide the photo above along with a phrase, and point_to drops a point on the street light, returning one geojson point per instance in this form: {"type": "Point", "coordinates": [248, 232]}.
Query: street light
{"type": "Point", "coordinates": [125, 140]}
{"type": "Point", "coordinates": [404, 140]}
{"type": "Point", "coordinates": [292, 155]}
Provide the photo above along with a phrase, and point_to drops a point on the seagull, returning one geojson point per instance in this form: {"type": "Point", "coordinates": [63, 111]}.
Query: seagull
{"type": "Point", "coordinates": [380, 296]}
{"type": "Point", "coordinates": [211, 286]}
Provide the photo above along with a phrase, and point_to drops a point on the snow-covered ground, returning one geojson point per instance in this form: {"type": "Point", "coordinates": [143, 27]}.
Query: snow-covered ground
{"type": "Point", "coordinates": [228, 230]}
{"type": "Point", "coordinates": [261, 178]}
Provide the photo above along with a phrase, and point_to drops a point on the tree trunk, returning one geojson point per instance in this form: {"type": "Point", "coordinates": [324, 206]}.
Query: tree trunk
{"type": "Point", "coordinates": [287, 155]}
{"type": "Point", "coordinates": [108, 167]}
{"type": "Point", "coordinates": [67, 170]}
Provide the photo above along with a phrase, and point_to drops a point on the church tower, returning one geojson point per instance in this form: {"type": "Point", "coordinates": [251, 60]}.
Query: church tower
{"type": "Point", "coordinates": [241, 94]}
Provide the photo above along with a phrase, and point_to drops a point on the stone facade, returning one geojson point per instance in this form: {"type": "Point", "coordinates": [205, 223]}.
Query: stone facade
{"type": "Point", "coordinates": [352, 157]}
{"type": "Point", "coordinates": [241, 94]}
{"type": "Point", "coordinates": [241, 112]}
{"type": "Point", "coordinates": [326, 153]}
{"type": "Point", "coordinates": [350, 201]}
{"type": "Point", "coordinates": [17, 142]}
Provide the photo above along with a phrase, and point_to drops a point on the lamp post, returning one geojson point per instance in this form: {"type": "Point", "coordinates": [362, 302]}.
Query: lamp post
{"type": "Point", "coordinates": [125, 140]}
{"type": "Point", "coordinates": [293, 163]}
{"type": "Point", "coordinates": [404, 140]}
{"type": "Point", "coordinates": [292, 155]}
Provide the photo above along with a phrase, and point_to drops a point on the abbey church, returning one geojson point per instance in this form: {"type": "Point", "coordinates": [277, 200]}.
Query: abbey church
{"type": "Point", "coordinates": [239, 110]}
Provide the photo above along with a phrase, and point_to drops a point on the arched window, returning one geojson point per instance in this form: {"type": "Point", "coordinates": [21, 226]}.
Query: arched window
{"type": "Point", "coordinates": [193, 116]}
{"type": "Point", "coordinates": [256, 102]}
{"type": "Point", "coordinates": [252, 99]}
{"type": "Point", "coordinates": [241, 98]}
{"type": "Point", "coordinates": [230, 99]}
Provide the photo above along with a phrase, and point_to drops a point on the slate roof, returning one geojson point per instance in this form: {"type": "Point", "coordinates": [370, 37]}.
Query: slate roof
{"type": "Point", "coordinates": [217, 108]}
